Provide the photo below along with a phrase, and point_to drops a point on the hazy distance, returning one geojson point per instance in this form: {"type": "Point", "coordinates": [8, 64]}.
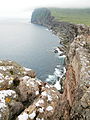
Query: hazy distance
{"type": "Point", "coordinates": [23, 8]}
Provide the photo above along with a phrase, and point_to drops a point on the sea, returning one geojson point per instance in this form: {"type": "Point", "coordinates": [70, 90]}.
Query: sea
{"type": "Point", "coordinates": [32, 46]}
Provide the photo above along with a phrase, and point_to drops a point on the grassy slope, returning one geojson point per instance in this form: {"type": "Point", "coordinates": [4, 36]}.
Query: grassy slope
{"type": "Point", "coordinates": [77, 16]}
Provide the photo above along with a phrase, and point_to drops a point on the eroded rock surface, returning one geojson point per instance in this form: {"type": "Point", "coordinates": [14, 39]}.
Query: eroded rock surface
{"type": "Point", "coordinates": [24, 97]}
{"type": "Point", "coordinates": [75, 103]}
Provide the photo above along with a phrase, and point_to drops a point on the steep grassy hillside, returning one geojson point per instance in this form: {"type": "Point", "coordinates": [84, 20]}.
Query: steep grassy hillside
{"type": "Point", "coordinates": [77, 16]}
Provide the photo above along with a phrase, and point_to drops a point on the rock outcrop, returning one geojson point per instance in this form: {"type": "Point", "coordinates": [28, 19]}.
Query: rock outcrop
{"type": "Point", "coordinates": [75, 100]}
{"type": "Point", "coordinates": [24, 97]}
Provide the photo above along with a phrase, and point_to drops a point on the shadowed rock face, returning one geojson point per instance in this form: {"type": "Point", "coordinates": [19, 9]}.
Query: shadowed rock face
{"type": "Point", "coordinates": [24, 97]}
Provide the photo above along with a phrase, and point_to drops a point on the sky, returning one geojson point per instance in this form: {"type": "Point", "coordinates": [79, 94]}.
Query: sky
{"type": "Point", "coordinates": [23, 8]}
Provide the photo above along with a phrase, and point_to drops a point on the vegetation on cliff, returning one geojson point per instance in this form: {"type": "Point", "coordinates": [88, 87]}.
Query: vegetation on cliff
{"type": "Point", "coordinates": [77, 16]}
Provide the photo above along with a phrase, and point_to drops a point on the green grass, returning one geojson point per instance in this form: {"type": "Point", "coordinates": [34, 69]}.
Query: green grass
{"type": "Point", "coordinates": [77, 16]}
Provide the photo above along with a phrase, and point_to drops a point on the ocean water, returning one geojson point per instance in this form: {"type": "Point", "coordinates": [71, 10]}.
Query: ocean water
{"type": "Point", "coordinates": [31, 46]}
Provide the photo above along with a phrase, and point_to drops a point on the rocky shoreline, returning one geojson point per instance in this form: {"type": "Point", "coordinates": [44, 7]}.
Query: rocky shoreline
{"type": "Point", "coordinates": [24, 97]}
{"type": "Point", "coordinates": [75, 41]}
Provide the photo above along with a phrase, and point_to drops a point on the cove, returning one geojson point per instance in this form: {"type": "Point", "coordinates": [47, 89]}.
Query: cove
{"type": "Point", "coordinates": [30, 45]}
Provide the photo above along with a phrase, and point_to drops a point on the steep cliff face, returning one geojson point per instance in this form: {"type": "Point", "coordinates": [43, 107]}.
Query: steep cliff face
{"type": "Point", "coordinates": [79, 56]}
{"type": "Point", "coordinates": [41, 16]}
{"type": "Point", "coordinates": [75, 100]}
{"type": "Point", "coordinates": [77, 84]}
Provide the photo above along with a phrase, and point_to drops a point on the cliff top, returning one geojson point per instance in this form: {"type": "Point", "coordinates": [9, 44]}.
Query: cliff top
{"type": "Point", "coordinates": [77, 16]}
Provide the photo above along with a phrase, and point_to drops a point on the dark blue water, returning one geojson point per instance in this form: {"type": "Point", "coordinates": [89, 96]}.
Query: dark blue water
{"type": "Point", "coordinates": [30, 45]}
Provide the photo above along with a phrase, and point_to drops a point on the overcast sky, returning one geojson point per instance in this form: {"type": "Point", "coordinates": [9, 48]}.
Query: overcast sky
{"type": "Point", "coordinates": [22, 8]}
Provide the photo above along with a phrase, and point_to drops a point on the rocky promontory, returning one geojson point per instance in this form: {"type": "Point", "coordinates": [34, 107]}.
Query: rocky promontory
{"type": "Point", "coordinates": [24, 97]}
{"type": "Point", "coordinates": [75, 41]}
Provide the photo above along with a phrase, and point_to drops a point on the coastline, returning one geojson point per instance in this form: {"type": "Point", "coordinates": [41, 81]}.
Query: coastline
{"type": "Point", "coordinates": [75, 41]}
{"type": "Point", "coordinates": [24, 97]}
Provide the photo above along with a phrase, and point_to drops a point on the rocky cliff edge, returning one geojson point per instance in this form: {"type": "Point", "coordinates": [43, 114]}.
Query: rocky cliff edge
{"type": "Point", "coordinates": [75, 40]}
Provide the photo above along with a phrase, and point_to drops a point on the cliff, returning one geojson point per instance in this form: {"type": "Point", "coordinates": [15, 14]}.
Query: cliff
{"type": "Point", "coordinates": [75, 100]}
{"type": "Point", "coordinates": [24, 97]}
